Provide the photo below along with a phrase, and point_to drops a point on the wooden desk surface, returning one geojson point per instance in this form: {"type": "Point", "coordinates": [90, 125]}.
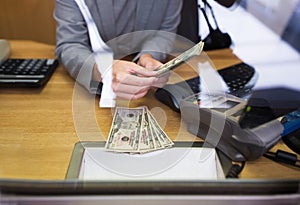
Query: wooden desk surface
{"type": "Point", "coordinates": [38, 128]}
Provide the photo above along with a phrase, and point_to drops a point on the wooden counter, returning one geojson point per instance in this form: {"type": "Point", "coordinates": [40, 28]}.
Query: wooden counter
{"type": "Point", "coordinates": [38, 127]}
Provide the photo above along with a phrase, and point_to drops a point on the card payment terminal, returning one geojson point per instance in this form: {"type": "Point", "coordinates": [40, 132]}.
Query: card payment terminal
{"type": "Point", "coordinates": [215, 118]}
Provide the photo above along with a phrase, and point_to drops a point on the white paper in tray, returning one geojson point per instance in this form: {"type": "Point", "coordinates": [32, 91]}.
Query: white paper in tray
{"type": "Point", "coordinates": [176, 164]}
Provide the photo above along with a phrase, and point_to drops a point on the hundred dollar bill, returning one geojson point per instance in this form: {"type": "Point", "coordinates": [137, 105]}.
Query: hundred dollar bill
{"type": "Point", "coordinates": [195, 50]}
{"type": "Point", "coordinates": [126, 130]}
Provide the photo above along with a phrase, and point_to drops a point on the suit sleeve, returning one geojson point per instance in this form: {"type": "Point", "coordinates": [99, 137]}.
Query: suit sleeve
{"type": "Point", "coordinates": [72, 43]}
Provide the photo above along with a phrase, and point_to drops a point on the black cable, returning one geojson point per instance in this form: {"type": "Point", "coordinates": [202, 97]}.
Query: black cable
{"type": "Point", "coordinates": [283, 157]}
{"type": "Point", "coordinates": [235, 170]}
{"type": "Point", "coordinates": [206, 19]}
{"type": "Point", "coordinates": [206, 4]}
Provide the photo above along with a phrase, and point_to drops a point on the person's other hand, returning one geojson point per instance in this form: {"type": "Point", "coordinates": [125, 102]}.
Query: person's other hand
{"type": "Point", "coordinates": [148, 62]}
{"type": "Point", "coordinates": [132, 81]}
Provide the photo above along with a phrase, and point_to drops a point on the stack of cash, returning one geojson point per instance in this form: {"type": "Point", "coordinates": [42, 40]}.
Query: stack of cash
{"type": "Point", "coordinates": [135, 130]}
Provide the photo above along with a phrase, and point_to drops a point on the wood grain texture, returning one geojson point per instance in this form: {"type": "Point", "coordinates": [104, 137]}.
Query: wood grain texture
{"type": "Point", "coordinates": [28, 20]}
{"type": "Point", "coordinates": [38, 130]}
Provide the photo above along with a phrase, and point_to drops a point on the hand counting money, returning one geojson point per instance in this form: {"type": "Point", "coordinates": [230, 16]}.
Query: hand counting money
{"type": "Point", "coordinates": [195, 50]}
{"type": "Point", "coordinates": [135, 130]}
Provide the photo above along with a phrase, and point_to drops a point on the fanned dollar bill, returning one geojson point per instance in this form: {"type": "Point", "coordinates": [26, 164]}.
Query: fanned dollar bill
{"type": "Point", "coordinates": [125, 130]}
{"type": "Point", "coordinates": [195, 50]}
{"type": "Point", "coordinates": [146, 141]}
{"type": "Point", "coordinates": [135, 130]}
{"type": "Point", "coordinates": [162, 136]}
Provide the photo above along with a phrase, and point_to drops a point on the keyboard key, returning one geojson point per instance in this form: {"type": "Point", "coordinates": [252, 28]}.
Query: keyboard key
{"type": "Point", "coordinates": [22, 72]}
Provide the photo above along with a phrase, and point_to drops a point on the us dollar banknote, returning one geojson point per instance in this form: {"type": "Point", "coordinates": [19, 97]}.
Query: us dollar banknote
{"type": "Point", "coordinates": [125, 131]}
{"type": "Point", "coordinates": [146, 141]}
{"type": "Point", "coordinates": [135, 130]}
{"type": "Point", "coordinates": [161, 135]}
{"type": "Point", "coordinates": [170, 65]}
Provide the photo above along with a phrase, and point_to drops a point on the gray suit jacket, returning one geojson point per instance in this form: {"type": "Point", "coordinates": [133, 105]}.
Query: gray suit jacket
{"type": "Point", "coordinates": [73, 46]}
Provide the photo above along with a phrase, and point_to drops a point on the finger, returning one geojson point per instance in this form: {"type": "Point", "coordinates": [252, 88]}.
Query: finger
{"type": "Point", "coordinates": [134, 80]}
{"type": "Point", "coordinates": [131, 68]}
{"type": "Point", "coordinates": [130, 89]}
{"type": "Point", "coordinates": [159, 85]}
{"type": "Point", "coordinates": [128, 96]}
{"type": "Point", "coordinates": [161, 81]}
{"type": "Point", "coordinates": [153, 64]}
{"type": "Point", "coordinates": [141, 71]}
{"type": "Point", "coordinates": [148, 62]}
{"type": "Point", "coordinates": [163, 78]}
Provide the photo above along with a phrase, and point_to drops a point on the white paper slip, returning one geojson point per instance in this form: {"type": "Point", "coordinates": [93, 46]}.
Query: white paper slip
{"type": "Point", "coordinates": [104, 61]}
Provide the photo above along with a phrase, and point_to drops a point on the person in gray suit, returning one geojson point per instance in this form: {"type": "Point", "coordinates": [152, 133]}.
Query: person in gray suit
{"type": "Point", "coordinates": [115, 18]}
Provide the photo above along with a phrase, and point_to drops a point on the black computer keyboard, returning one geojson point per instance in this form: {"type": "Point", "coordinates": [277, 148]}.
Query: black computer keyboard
{"type": "Point", "coordinates": [237, 77]}
{"type": "Point", "coordinates": [240, 78]}
{"type": "Point", "coordinates": [26, 72]}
